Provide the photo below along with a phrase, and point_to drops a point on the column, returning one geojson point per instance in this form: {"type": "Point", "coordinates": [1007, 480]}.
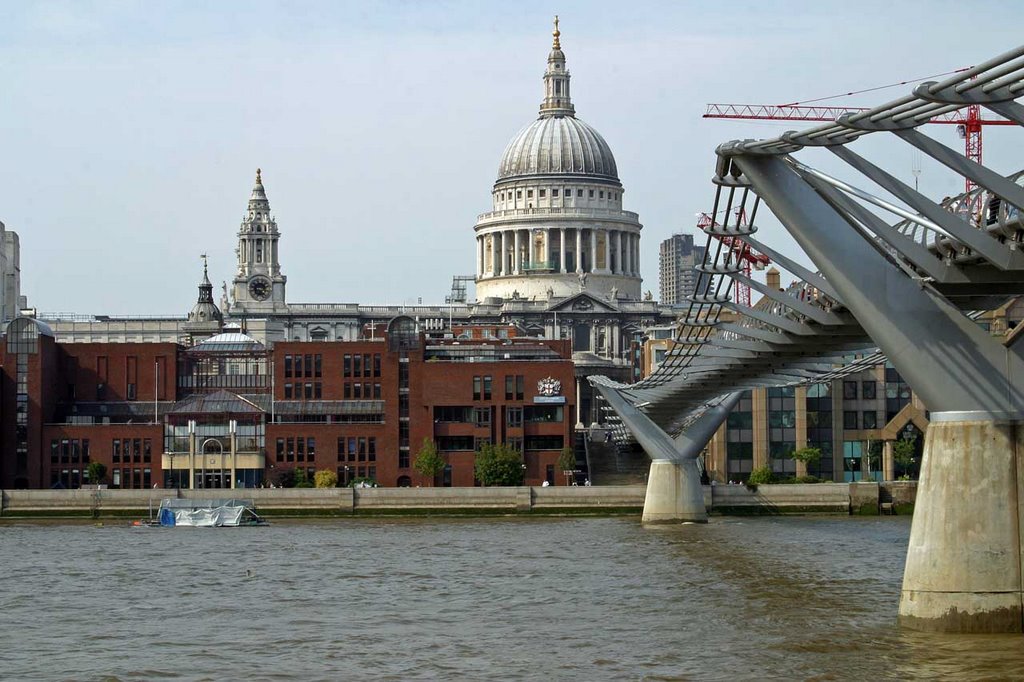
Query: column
{"type": "Point", "coordinates": [547, 248]}
{"type": "Point", "coordinates": [579, 424]}
{"type": "Point", "coordinates": [636, 255]}
{"type": "Point", "coordinates": [614, 264]}
{"type": "Point", "coordinates": [618, 253]}
{"type": "Point", "coordinates": [579, 250]}
{"type": "Point", "coordinates": [759, 408]}
{"type": "Point", "coordinates": [494, 254]}
{"type": "Point", "coordinates": [627, 255]}
{"type": "Point", "coordinates": [607, 250]}
{"type": "Point", "coordinates": [192, 460]}
{"type": "Point", "coordinates": [479, 257]}
{"type": "Point", "coordinates": [517, 258]}
{"type": "Point", "coordinates": [593, 250]}
{"type": "Point", "coordinates": [234, 460]}
{"type": "Point", "coordinates": [888, 461]}
{"type": "Point", "coordinates": [800, 397]}
{"type": "Point", "coordinates": [561, 250]}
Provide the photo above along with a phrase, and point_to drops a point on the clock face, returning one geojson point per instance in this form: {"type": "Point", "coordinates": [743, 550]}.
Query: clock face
{"type": "Point", "coordinates": [259, 288]}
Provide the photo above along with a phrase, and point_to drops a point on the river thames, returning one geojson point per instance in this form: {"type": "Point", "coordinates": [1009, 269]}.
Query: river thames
{"type": "Point", "coordinates": [496, 598]}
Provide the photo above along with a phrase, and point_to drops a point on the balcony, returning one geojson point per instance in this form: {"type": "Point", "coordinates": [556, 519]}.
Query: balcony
{"type": "Point", "coordinates": [535, 214]}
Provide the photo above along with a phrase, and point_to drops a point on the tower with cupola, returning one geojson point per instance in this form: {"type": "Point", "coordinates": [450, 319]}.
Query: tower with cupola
{"type": "Point", "coordinates": [259, 286]}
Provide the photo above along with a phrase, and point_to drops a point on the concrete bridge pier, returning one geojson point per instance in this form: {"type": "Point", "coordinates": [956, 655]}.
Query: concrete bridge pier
{"type": "Point", "coordinates": [963, 570]}
{"type": "Point", "coordinates": [674, 493]}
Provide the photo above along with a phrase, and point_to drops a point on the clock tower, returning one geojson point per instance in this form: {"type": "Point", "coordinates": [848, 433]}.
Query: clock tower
{"type": "Point", "coordinates": [258, 284]}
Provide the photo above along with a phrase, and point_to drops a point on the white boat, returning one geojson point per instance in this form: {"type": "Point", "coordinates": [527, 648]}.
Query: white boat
{"type": "Point", "coordinates": [210, 513]}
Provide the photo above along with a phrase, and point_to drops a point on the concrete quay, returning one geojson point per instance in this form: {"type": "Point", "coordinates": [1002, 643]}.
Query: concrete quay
{"type": "Point", "coordinates": [817, 498]}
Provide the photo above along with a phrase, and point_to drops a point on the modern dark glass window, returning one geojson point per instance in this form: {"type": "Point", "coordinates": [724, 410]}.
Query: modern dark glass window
{"type": "Point", "coordinates": [850, 420]}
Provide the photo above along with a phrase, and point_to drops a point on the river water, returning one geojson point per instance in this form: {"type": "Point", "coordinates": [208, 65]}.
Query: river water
{"type": "Point", "coordinates": [495, 598]}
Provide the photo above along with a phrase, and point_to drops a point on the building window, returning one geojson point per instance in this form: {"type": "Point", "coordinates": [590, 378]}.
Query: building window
{"type": "Point", "coordinates": [514, 417]}
{"type": "Point", "coordinates": [519, 194]}
{"type": "Point", "coordinates": [116, 450]}
{"type": "Point", "coordinates": [371, 449]}
{"type": "Point", "coordinates": [870, 420]}
{"type": "Point", "coordinates": [288, 366]}
{"type": "Point", "coordinates": [529, 194]}
{"type": "Point", "coordinates": [298, 365]}
{"type": "Point", "coordinates": [850, 420]}
{"type": "Point", "coordinates": [590, 195]}
{"type": "Point", "coordinates": [579, 193]}
{"type": "Point", "coordinates": [543, 193]}
{"type": "Point", "coordinates": [311, 448]}
{"type": "Point", "coordinates": [280, 449]}
{"type": "Point", "coordinates": [477, 387]}
{"type": "Point", "coordinates": [487, 387]}
{"type": "Point", "coordinates": [554, 193]}
{"type": "Point", "coordinates": [318, 366]}
{"type": "Point", "coordinates": [867, 390]}
{"type": "Point", "coordinates": [482, 416]}
{"type": "Point", "coordinates": [376, 364]}
{"type": "Point", "coordinates": [849, 390]}
{"type": "Point", "coordinates": [288, 391]}
{"type": "Point", "coordinates": [131, 392]}
{"type": "Point", "coordinates": [357, 365]}
{"type": "Point", "coordinates": [346, 366]}
{"type": "Point", "coordinates": [509, 386]}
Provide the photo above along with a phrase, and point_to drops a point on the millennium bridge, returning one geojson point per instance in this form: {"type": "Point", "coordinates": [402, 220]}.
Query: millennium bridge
{"type": "Point", "coordinates": [900, 277]}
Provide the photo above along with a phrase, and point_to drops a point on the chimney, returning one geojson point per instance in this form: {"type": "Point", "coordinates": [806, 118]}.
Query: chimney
{"type": "Point", "coordinates": [771, 278]}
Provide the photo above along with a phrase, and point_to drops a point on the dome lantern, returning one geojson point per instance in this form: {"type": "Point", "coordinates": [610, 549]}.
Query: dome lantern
{"type": "Point", "coordinates": [557, 101]}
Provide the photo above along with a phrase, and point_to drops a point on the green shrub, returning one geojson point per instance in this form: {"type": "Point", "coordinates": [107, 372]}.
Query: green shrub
{"type": "Point", "coordinates": [301, 480]}
{"type": "Point", "coordinates": [325, 478]}
{"type": "Point", "coordinates": [808, 479]}
{"type": "Point", "coordinates": [807, 455]}
{"type": "Point", "coordinates": [760, 476]}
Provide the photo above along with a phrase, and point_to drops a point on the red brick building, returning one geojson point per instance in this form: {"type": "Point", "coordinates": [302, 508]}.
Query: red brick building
{"type": "Point", "coordinates": [228, 412]}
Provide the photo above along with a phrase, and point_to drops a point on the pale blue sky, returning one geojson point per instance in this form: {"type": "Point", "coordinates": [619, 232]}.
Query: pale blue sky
{"type": "Point", "coordinates": [130, 131]}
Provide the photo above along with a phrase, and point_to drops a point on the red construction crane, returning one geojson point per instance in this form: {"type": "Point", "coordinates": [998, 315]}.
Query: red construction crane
{"type": "Point", "coordinates": [968, 121]}
{"type": "Point", "coordinates": [747, 257]}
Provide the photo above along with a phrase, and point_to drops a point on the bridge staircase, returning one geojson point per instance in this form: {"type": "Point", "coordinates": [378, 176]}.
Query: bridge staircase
{"type": "Point", "coordinates": [614, 463]}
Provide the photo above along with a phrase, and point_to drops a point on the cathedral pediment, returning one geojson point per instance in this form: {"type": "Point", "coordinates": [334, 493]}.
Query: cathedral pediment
{"type": "Point", "coordinates": [583, 303]}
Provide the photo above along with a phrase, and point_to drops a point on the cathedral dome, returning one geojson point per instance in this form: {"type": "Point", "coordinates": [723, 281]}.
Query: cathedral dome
{"type": "Point", "coordinates": [558, 145]}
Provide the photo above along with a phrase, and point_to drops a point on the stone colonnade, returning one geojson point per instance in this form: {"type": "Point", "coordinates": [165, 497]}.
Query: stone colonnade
{"type": "Point", "coordinates": [516, 251]}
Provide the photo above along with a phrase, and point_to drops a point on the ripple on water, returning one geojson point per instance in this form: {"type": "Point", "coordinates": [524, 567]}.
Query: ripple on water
{"type": "Point", "coordinates": [401, 599]}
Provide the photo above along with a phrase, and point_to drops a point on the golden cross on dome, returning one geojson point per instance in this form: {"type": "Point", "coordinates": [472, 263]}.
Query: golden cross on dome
{"type": "Point", "coordinates": [556, 33]}
{"type": "Point", "coordinates": [259, 180]}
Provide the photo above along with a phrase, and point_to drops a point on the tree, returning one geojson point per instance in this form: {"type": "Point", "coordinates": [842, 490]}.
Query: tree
{"type": "Point", "coordinates": [806, 455]}
{"type": "Point", "coordinates": [97, 472]}
{"type": "Point", "coordinates": [903, 451]}
{"type": "Point", "coordinates": [499, 465]}
{"type": "Point", "coordinates": [301, 479]}
{"type": "Point", "coordinates": [567, 459]}
{"type": "Point", "coordinates": [429, 462]}
{"type": "Point", "coordinates": [325, 478]}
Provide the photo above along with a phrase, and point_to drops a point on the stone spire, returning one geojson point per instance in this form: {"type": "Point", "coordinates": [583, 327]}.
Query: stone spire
{"type": "Point", "coordinates": [205, 310]}
{"type": "Point", "coordinates": [556, 81]}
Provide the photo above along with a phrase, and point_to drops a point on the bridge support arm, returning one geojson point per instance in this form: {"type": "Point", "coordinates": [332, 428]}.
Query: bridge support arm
{"type": "Point", "coordinates": [674, 492]}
